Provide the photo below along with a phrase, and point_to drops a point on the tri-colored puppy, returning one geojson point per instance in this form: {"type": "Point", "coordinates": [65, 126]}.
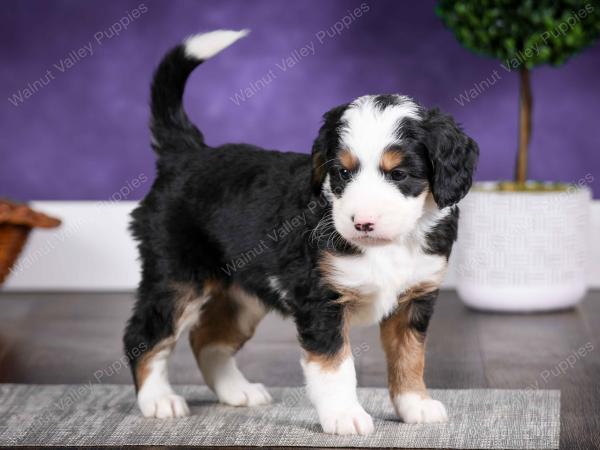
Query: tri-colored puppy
{"type": "Point", "coordinates": [358, 233]}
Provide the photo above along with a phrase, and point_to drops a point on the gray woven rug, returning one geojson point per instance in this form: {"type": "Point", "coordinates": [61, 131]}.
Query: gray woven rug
{"type": "Point", "coordinates": [95, 415]}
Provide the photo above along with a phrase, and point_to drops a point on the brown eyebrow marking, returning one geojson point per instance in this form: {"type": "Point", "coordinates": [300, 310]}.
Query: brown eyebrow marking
{"type": "Point", "coordinates": [391, 159]}
{"type": "Point", "coordinates": [348, 160]}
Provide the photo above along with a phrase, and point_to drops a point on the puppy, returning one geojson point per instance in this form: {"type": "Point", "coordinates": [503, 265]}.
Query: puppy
{"type": "Point", "coordinates": [357, 233]}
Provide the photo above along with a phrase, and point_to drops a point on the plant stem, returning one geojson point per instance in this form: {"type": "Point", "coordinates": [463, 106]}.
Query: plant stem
{"type": "Point", "coordinates": [525, 102]}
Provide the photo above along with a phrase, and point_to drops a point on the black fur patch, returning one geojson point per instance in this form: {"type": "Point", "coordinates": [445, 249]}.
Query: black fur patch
{"type": "Point", "coordinates": [326, 142]}
{"type": "Point", "coordinates": [415, 165]}
{"type": "Point", "coordinates": [441, 238]}
{"type": "Point", "coordinates": [421, 310]}
{"type": "Point", "coordinates": [386, 100]}
{"type": "Point", "coordinates": [320, 325]}
{"type": "Point", "coordinates": [453, 157]}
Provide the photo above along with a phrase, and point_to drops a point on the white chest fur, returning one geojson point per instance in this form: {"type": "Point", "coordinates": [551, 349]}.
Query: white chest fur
{"type": "Point", "coordinates": [381, 274]}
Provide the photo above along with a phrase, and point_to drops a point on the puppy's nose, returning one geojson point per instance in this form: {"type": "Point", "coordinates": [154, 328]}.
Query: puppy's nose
{"type": "Point", "coordinates": [367, 226]}
{"type": "Point", "coordinates": [363, 223]}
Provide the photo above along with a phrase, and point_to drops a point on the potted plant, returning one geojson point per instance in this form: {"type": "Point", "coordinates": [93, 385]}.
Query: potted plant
{"type": "Point", "coordinates": [522, 244]}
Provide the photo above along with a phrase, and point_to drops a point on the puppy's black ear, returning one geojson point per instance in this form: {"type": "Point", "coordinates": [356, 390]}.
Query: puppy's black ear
{"type": "Point", "coordinates": [328, 138]}
{"type": "Point", "coordinates": [453, 157]}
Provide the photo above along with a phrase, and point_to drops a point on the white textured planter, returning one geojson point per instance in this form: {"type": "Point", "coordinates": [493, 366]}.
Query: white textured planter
{"type": "Point", "coordinates": [523, 251]}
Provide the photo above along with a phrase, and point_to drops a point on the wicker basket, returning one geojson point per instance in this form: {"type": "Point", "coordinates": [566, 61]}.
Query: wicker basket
{"type": "Point", "coordinates": [16, 222]}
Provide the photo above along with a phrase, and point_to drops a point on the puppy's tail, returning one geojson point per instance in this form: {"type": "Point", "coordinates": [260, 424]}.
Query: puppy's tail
{"type": "Point", "coordinates": [169, 124]}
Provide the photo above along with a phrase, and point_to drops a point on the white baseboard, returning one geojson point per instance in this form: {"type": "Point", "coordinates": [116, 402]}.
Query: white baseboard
{"type": "Point", "coordinates": [93, 250]}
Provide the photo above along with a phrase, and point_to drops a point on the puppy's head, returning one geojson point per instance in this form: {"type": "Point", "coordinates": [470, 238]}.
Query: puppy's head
{"type": "Point", "coordinates": [380, 157]}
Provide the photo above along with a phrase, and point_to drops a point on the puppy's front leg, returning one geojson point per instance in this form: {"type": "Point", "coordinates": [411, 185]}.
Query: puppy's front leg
{"type": "Point", "coordinates": [329, 371]}
{"type": "Point", "coordinates": [403, 338]}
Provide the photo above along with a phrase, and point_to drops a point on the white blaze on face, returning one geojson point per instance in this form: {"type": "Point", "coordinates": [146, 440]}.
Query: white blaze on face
{"type": "Point", "coordinates": [368, 132]}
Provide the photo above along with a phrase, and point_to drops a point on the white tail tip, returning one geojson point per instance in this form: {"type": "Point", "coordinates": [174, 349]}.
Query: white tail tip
{"type": "Point", "coordinates": [206, 45]}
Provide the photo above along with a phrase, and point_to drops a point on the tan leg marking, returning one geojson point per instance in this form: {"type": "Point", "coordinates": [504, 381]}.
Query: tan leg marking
{"type": "Point", "coordinates": [405, 353]}
{"type": "Point", "coordinates": [156, 397]}
{"type": "Point", "coordinates": [187, 308]}
{"type": "Point", "coordinates": [404, 348]}
{"type": "Point", "coordinates": [142, 368]}
{"type": "Point", "coordinates": [227, 321]}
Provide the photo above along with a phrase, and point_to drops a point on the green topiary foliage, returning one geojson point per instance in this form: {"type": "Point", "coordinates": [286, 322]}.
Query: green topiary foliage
{"type": "Point", "coordinates": [523, 33]}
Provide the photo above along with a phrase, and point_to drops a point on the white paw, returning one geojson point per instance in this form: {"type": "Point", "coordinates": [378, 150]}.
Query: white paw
{"type": "Point", "coordinates": [163, 406]}
{"type": "Point", "coordinates": [352, 421]}
{"type": "Point", "coordinates": [412, 408]}
{"type": "Point", "coordinates": [243, 394]}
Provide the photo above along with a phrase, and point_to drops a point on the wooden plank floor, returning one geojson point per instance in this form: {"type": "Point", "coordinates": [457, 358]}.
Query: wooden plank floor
{"type": "Point", "coordinates": [76, 338]}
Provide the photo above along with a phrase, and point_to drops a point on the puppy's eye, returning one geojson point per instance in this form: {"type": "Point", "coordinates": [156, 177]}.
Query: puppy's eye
{"type": "Point", "coordinates": [345, 174]}
{"type": "Point", "coordinates": [398, 175]}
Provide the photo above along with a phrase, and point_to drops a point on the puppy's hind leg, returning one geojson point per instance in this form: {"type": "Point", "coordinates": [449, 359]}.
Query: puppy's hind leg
{"type": "Point", "coordinates": [159, 318]}
{"type": "Point", "coordinates": [227, 321]}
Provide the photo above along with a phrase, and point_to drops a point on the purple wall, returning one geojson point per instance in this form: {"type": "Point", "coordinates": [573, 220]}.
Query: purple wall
{"type": "Point", "coordinates": [84, 134]}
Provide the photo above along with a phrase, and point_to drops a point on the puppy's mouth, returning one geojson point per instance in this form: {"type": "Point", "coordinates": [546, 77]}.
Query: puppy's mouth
{"type": "Point", "coordinates": [370, 240]}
